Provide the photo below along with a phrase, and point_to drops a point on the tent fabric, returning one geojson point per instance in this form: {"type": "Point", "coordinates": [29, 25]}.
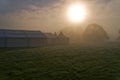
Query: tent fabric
{"type": "Point", "coordinates": [27, 38]}
{"type": "Point", "coordinates": [21, 34]}
{"type": "Point", "coordinates": [21, 38]}
{"type": "Point", "coordinates": [2, 33]}
{"type": "Point", "coordinates": [50, 35]}
{"type": "Point", "coordinates": [34, 34]}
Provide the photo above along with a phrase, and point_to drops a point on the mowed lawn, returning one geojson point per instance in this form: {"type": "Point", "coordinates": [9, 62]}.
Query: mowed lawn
{"type": "Point", "coordinates": [70, 62]}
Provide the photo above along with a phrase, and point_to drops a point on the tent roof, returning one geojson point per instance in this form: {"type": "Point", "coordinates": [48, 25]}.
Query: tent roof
{"type": "Point", "coordinates": [21, 33]}
{"type": "Point", "coordinates": [34, 34]}
{"type": "Point", "coordinates": [51, 35]}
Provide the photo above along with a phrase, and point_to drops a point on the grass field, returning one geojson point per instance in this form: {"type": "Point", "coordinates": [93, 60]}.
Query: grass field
{"type": "Point", "coordinates": [70, 62]}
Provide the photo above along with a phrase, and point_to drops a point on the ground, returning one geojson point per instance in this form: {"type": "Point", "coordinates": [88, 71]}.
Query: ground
{"type": "Point", "coordinates": [65, 62]}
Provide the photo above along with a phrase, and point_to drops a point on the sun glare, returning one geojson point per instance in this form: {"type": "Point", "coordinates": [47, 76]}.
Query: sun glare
{"type": "Point", "coordinates": [76, 13]}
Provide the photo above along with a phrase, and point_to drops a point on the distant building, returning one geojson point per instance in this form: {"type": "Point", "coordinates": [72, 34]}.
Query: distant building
{"type": "Point", "coordinates": [51, 38]}
{"type": "Point", "coordinates": [63, 39]}
{"type": "Point", "coordinates": [21, 38]}
{"type": "Point", "coordinates": [56, 39]}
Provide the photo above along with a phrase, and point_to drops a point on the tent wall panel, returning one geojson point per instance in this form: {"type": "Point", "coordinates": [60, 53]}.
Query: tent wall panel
{"type": "Point", "coordinates": [17, 42]}
{"type": "Point", "coordinates": [2, 42]}
{"type": "Point", "coordinates": [52, 41]}
{"type": "Point", "coordinates": [35, 42]}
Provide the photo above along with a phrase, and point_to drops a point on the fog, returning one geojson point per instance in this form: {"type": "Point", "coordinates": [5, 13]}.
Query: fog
{"type": "Point", "coordinates": [50, 15]}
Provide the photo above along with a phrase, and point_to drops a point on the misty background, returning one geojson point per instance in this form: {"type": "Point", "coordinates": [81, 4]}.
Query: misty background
{"type": "Point", "coordinates": [50, 15]}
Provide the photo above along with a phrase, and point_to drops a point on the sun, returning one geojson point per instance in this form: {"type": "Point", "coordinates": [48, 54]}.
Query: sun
{"type": "Point", "coordinates": [76, 12]}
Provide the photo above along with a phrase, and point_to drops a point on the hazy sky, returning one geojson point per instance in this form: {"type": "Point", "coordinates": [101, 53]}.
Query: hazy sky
{"type": "Point", "coordinates": [50, 15]}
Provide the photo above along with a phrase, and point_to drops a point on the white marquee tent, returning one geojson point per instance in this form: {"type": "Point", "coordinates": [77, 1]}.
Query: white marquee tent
{"type": "Point", "coordinates": [21, 38]}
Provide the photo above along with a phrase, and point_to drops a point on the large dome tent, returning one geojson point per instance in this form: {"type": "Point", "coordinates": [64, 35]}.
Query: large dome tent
{"type": "Point", "coordinates": [95, 33]}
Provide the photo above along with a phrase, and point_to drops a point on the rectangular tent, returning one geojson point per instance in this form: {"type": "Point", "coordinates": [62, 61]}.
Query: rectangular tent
{"type": "Point", "coordinates": [21, 38]}
{"type": "Point", "coordinates": [2, 38]}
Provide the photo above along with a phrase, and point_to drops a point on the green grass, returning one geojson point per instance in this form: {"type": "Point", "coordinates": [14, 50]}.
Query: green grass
{"type": "Point", "coordinates": [71, 62]}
